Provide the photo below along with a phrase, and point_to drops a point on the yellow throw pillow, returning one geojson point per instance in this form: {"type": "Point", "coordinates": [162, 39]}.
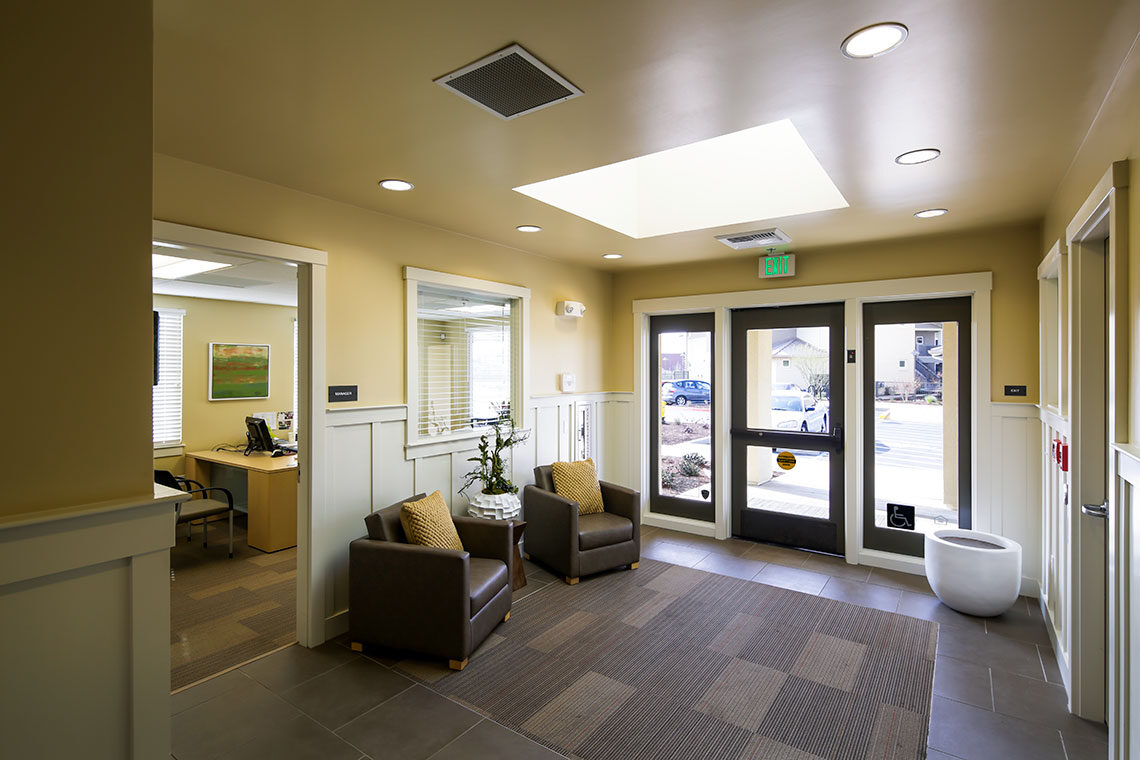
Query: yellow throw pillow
{"type": "Point", "coordinates": [427, 522]}
{"type": "Point", "coordinates": [578, 481]}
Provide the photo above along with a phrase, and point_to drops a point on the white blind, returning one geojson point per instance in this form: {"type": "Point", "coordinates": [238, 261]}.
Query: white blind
{"type": "Point", "coordinates": [296, 381]}
{"type": "Point", "coordinates": [466, 361]}
{"type": "Point", "coordinates": [168, 392]}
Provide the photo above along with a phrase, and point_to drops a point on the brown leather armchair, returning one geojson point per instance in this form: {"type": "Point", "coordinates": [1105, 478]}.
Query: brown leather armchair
{"type": "Point", "coordinates": [575, 545]}
{"type": "Point", "coordinates": [438, 602]}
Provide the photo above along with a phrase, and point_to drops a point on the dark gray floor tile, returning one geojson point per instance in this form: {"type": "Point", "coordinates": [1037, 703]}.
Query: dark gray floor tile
{"type": "Point", "coordinates": [490, 741]}
{"type": "Point", "coordinates": [301, 738]}
{"type": "Point", "coordinates": [972, 733]}
{"type": "Point", "coordinates": [1049, 663]}
{"type": "Point", "coordinates": [792, 578]}
{"type": "Point", "coordinates": [933, 754]}
{"type": "Point", "coordinates": [228, 720]}
{"type": "Point", "coordinates": [836, 567]}
{"type": "Point", "coordinates": [963, 681]}
{"type": "Point", "coordinates": [863, 594]}
{"type": "Point", "coordinates": [297, 664]}
{"type": "Point", "coordinates": [1019, 623]}
{"type": "Point", "coordinates": [535, 573]}
{"type": "Point", "coordinates": [777, 555]}
{"type": "Point", "coordinates": [733, 547]}
{"type": "Point", "coordinates": [673, 553]}
{"type": "Point", "coordinates": [726, 564]}
{"type": "Point", "coordinates": [411, 726]}
{"type": "Point", "coordinates": [928, 607]}
{"type": "Point", "coordinates": [347, 692]}
{"type": "Point", "coordinates": [206, 690]}
{"type": "Point", "coordinates": [895, 579]}
{"type": "Point", "coordinates": [1085, 740]}
{"type": "Point", "coordinates": [1030, 699]}
{"type": "Point", "coordinates": [993, 651]}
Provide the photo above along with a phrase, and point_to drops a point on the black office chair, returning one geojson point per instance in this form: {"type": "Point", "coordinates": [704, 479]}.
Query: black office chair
{"type": "Point", "coordinates": [200, 508]}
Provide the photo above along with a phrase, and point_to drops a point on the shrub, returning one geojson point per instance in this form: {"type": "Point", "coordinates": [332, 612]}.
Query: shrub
{"type": "Point", "coordinates": [670, 478]}
{"type": "Point", "coordinates": [692, 464]}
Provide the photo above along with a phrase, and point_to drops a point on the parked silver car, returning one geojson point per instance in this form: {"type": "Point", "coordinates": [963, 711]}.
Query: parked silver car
{"type": "Point", "coordinates": [794, 410]}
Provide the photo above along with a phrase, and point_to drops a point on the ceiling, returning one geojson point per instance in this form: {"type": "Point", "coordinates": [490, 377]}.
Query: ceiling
{"type": "Point", "coordinates": [329, 98]}
{"type": "Point", "coordinates": [245, 279]}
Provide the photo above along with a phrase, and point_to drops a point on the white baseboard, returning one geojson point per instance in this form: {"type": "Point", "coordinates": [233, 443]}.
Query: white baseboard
{"type": "Point", "coordinates": [683, 524]}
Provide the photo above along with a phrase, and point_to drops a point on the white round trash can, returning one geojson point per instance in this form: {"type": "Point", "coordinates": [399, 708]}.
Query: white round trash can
{"type": "Point", "coordinates": [973, 572]}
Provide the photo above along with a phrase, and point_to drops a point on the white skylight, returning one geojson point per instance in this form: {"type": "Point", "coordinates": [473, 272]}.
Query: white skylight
{"type": "Point", "coordinates": [174, 268]}
{"type": "Point", "coordinates": [765, 172]}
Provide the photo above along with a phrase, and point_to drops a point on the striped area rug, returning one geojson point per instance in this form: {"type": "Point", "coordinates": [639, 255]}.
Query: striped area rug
{"type": "Point", "coordinates": [670, 662]}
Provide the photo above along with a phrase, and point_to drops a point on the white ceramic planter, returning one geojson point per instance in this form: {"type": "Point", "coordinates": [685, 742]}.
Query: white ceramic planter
{"type": "Point", "coordinates": [495, 506]}
{"type": "Point", "coordinates": [972, 579]}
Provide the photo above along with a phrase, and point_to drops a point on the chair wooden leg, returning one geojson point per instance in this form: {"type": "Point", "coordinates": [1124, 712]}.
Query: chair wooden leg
{"type": "Point", "coordinates": [633, 565]}
{"type": "Point", "coordinates": [457, 664]}
{"type": "Point", "coordinates": [507, 617]}
{"type": "Point", "coordinates": [570, 581]}
{"type": "Point", "coordinates": [356, 646]}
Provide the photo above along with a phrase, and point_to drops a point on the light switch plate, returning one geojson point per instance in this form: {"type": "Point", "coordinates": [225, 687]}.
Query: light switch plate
{"type": "Point", "coordinates": [567, 382]}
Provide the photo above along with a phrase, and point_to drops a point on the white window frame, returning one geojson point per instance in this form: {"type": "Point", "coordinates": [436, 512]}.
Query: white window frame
{"type": "Point", "coordinates": [172, 447]}
{"type": "Point", "coordinates": [520, 352]}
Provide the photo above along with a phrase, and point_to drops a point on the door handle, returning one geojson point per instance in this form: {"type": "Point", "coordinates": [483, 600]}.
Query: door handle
{"type": "Point", "coordinates": [1096, 510]}
{"type": "Point", "coordinates": [837, 436]}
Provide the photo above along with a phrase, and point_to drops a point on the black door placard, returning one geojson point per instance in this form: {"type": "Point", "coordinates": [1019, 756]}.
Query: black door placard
{"type": "Point", "coordinates": [342, 393]}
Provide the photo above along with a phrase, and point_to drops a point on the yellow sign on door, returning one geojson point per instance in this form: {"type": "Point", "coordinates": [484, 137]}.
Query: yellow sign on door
{"type": "Point", "coordinates": [786, 460]}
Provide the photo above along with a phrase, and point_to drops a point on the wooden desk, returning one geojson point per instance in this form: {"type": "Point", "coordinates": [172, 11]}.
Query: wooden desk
{"type": "Point", "coordinates": [272, 493]}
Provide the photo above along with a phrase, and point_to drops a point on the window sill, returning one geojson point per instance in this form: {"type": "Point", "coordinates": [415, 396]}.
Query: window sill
{"type": "Point", "coordinates": [426, 447]}
{"type": "Point", "coordinates": [169, 450]}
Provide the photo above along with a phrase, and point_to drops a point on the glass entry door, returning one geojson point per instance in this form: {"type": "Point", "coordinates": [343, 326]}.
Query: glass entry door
{"type": "Point", "coordinates": [787, 416]}
{"type": "Point", "coordinates": [917, 406]}
{"type": "Point", "coordinates": [681, 430]}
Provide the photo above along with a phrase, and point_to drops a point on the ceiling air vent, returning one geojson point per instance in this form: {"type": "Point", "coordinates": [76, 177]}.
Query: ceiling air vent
{"type": "Point", "coordinates": [755, 239]}
{"type": "Point", "coordinates": [509, 83]}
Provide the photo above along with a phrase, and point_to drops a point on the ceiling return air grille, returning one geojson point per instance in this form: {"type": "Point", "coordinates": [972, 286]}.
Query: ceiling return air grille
{"type": "Point", "coordinates": [755, 239]}
{"type": "Point", "coordinates": [509, 83]}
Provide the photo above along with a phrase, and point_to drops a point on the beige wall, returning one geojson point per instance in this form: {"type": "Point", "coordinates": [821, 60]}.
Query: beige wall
{"type": "Point", "coordinates": [207, 423]}
{"type": "Point", "coordinates": [367, 251]}
{"type": "Point", "coordinates": [1115, 135]}
{"type": "Point", "coordinates": [75, 294]}
{"type": "Point", "coordinates": [1011, 253]}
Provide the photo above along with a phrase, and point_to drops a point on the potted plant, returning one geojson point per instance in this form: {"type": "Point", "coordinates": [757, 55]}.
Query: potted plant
{"type": "Point", "coordinates": [498, 496]}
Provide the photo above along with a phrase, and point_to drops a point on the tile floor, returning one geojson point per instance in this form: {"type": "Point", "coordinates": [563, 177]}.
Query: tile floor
{"type": "Point", "coordinates": [997, 691]}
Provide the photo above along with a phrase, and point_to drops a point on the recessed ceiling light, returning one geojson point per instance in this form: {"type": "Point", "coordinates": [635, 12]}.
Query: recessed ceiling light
{"type": "Point", "coordinates": [920, 156]}
{"type": "Point", "coordinates": [930, 213]}
{"type": "Point", "coordinates": [874, 40]}
{"type": "Point", "coordinates": [764, 172]}
{"type": "Point", "coordinates": [528, 228]}
{"type": "Point", "coordinates": [398, 185]}
{"type": "Point", "coordinates": [175, 268]}
{"type": "Point", "coordinates": [611, 255]}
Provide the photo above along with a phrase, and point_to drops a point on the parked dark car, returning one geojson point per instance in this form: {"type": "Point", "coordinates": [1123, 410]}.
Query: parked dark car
{"type": "Point", "coordinates": [682, 392]}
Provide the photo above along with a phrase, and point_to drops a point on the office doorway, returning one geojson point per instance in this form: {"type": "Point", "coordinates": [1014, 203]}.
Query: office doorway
{"type": "Point", "coordinates": [787, 417]}
{"type": "Point", "coordinates": [917, 426]}
{"type": "Point", "coordinates": [276, 604]}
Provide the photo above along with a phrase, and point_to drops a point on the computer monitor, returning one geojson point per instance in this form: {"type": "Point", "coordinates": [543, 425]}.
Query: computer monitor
{"type": "Point", "coordinates": [257, 433]}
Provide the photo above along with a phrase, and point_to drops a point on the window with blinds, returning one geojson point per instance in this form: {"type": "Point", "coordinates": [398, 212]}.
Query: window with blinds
{"type": "Point", "coordinates": [167, 404]}
{"type": "Point", "coordinates": [466, 362]}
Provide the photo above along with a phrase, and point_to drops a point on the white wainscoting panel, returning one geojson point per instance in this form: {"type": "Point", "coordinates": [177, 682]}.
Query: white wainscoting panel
{"type": "Point", "coordinates": [1014, 508]}
{"type": "Point", "coordinates": [370, 468]}
{"type": "Point", "coordinates": [85, 644]}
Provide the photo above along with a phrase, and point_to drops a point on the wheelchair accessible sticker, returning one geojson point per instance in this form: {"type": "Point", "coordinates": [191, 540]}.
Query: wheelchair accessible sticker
{"type": "Point", "coordinates": [786, 460]}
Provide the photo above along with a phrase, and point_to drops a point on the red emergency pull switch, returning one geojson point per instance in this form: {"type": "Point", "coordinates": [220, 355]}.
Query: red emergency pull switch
{"type": "Point", "coordinates": [1063, 456]}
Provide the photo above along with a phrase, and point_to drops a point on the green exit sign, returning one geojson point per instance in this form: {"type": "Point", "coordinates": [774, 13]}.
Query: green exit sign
{"type": "Point", "coordinates": [783, 265]}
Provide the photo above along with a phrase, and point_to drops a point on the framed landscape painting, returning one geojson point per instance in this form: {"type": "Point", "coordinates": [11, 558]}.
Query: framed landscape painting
{"type": "Point", "coordinates": [238, 371]}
